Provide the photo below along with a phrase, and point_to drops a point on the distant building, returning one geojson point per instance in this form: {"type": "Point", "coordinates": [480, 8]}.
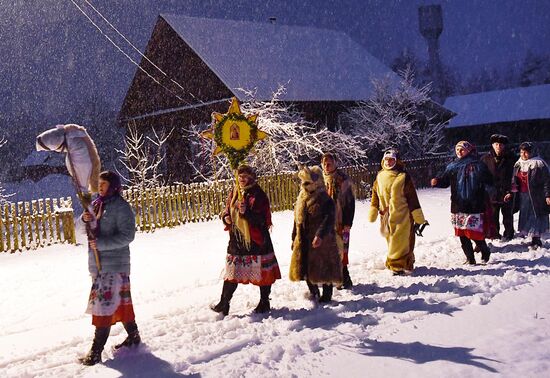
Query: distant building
{"type": "Point", "coordinates": [38, 165]}
{"type": "Point", "coordinates": [324, 72]}
{"type": "Point", "coordinates": [520, 113]}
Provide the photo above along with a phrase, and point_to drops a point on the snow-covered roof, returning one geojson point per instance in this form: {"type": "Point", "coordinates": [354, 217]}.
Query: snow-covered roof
{"type": "Point", "coordinates": [52, 159]}
{"type": "Point", "coordinates": [509, 105]}
{"type": "Point", "coordinates": [313, 64]}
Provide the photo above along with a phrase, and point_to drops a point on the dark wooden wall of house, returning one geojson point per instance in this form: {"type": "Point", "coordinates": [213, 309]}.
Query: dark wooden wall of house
{"type": "Point", "coordinates": [170, 53]}
{"type": "Point", "coordinates": [517, 132]}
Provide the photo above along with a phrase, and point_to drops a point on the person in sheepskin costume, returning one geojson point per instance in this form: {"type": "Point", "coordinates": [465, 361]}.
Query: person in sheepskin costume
{"type": "Point", "coordinates": [315, 256]}
{"type": "Point", "coordinates": [470, 180]}
{"type": "Point", "coordinates": [394, 198]}
{"type": "Point", "coordinates": [250, 256]}
{"type": "Point", "coordinates": [531, 182]}
{"type": "Point", "coordinates": [340, 189]}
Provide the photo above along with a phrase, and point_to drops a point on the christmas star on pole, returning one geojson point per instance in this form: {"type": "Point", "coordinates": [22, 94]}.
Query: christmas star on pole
{"type": "Point", "coordinates": [234, 133]}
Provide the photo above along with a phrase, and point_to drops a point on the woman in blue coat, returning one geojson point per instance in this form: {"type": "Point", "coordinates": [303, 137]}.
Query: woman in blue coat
{"type": "Point", "coordinates": [110, 300]}
{"type": "Point", "coordinates": [469, 179]}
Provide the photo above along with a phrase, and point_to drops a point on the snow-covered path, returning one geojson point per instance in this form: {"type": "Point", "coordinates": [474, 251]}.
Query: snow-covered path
{"type": "Point", "coordinates": [446, 319]}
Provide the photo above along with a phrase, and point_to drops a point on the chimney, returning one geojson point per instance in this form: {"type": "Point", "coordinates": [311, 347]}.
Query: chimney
{"type": "Point", "coordinates": [430, 21]}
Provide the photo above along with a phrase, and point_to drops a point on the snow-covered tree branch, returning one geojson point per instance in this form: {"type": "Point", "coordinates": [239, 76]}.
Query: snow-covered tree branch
{"type": "Point", "coordinates": [397, 117]}
{"type": "Point", "coordinates": [3, 195]}
{"type": "Point", "coordinates": [142, 157]}
{"type": "Point", "coordinates": [291, 140]}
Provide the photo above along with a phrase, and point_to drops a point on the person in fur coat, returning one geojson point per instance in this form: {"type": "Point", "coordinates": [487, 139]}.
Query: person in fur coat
{"type": "Point", "coordinates": [250, 256]}
{"type": "Point", "coordinates": [531, 183]}
{"type": "Point", "coordinates": [315, 256]}
{"type": "Point", "coordinates": [340, 189]}
{"type": "Point", "coordinates": [394, 198]}
{"type": "Point", "coordinates": [470, 180]}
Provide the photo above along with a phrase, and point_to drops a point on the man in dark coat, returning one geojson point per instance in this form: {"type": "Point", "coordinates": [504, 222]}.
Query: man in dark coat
{"type": "Point", "coordinates": [500, 161]}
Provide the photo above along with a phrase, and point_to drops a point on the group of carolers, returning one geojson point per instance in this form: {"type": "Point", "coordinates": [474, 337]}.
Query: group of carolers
{"type": "Point", "coordinates": [323, 217]}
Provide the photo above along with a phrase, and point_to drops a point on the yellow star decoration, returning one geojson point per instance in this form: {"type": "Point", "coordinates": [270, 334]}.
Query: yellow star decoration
{"type": "Point", "coordinates": [234, 133]}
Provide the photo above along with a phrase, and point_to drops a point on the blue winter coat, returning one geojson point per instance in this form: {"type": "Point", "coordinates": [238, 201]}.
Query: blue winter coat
{"type": "Point", "coordinates": [117, 227]}
{"type": "Point", "coordinates": [470, 182]}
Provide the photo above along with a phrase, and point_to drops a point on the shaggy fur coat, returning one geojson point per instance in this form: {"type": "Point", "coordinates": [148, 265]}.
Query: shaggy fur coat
{"type": "Point", "coordinates": [314, 215]}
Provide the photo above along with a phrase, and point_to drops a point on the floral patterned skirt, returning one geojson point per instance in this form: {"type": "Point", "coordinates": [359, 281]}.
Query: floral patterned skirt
{"type": "Point", "coordinates": [259, 270]}
{"type": "Point", "coordinates": [468, 225]}
{"type": "Point", "coordinates": [110, 300]}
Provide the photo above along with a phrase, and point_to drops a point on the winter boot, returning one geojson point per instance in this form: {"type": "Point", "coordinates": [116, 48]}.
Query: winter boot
{"type": "Point", "coordinates": [347, 283]}
{"type": "Point", "coordinates": [536, 242]}
{"type": "Point", "coordinates": [485, 251]}
{"type": "Point", "coordinates": [263, 306]}
{"type": "Point", "coordinates": [133, 338]}
{"type": "Point", "coordinates": [227, 293]}
{"type": "Point", "coordinates": [327, 294]}
{"type": "Point", "coordinates": [313, 290]}
{"type": "Point", "coordinates": [468, 250]}
{"type": "Point", "coordinates": [94, 355]}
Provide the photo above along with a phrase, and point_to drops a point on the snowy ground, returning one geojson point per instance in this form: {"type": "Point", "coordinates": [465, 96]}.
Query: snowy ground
{"type": "Point", "coordinates": [445, 320]}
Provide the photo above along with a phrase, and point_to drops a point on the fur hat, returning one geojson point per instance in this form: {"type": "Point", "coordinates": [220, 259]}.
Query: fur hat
{"type": "Point", "coordinates": [311, 178]}
{"type": "Point", "coordinates": [499, 138]}
{"type": "Point", "coordinates": [465, 145]}
{"type": "Point", "coordinates": [527, 146]}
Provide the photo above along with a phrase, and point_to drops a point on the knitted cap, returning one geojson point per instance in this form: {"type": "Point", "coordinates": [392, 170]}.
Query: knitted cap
{"type": "Point", "coordinates": [465, 145]}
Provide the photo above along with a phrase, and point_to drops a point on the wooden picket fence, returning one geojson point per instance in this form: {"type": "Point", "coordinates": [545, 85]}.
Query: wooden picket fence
{"type": "Point", "coordinates": [34, 224]}
{"type": "Point", "coordinates": [169, 206]}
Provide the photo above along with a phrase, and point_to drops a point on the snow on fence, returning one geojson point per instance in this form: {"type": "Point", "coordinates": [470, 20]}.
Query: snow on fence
{"type": "Point", "coordinates": [34, 224]}
{"type": "Point", "coordinates": [169, 206]}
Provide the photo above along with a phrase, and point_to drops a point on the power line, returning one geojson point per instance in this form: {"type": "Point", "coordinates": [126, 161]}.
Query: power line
{"type": "Point", "coordinates": [130, 58]}
{"type": "Point", "coordinates": [134, 47]}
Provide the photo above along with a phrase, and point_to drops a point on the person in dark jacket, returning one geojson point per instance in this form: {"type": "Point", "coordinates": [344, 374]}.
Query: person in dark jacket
{"type": "Point", "coordinates": [250, 256]}
{"type": "Point", "coordinates": [315, 257]}
{"type": "Point", "coordinates": [531, 183]}
{"type": "Point", "coordinates": [500, 161]}
{"type": "Point", "coordinates": [110, 300]}
{"type": "Point", "coordinates": [340, 189]}
{"type": "Point", "coordinates": [468, 178]}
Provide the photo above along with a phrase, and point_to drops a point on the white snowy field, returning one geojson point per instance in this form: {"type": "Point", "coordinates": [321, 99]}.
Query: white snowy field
{"type": "Point", "coordinates": [445, 320]}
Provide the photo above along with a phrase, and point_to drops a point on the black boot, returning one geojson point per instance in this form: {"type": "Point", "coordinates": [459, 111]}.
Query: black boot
{"type": "Point", "coordinates": [536, 242]}
{"type": "Point", "coordinates": [313, 290]}
{"type": "Point", "coordinates": [227, 293]}
{"type": "Point", "coordinates": [94, 355]}
{"type": "Point", "coordinates": [485, 251]}
{"type": "Point", "coordinates": [133, 338]}
{"type": "Point", "coordinates": [347, 284]}
{"type": "Point", "coordinates": [468, 250]}
{"type": "Point", "coordinates": [264, 305]}
{"type": "Point", "coordinates": [327, 294]}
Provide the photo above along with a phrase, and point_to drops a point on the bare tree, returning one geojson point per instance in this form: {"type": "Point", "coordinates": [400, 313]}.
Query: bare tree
{"type": "Point", "coordinates": [291, 140]}
{"type": "Point", "coordinates": [142, 157]}
{"type": "Point", "coordinates": [3, 195]}
{"type": "Point", "coordinates": [397, 116]}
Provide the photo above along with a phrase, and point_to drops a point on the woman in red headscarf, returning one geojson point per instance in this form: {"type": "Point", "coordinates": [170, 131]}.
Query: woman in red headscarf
{"type": "Point", "coordinates": [469, 179]}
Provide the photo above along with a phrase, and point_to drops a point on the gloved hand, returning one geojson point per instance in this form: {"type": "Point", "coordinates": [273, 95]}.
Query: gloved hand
{"type": "Point", "coordinates": [419, 228]}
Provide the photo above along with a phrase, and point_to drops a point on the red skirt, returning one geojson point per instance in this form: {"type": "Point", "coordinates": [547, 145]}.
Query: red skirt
{"type": "Point", "coordinates": [110, 300]}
